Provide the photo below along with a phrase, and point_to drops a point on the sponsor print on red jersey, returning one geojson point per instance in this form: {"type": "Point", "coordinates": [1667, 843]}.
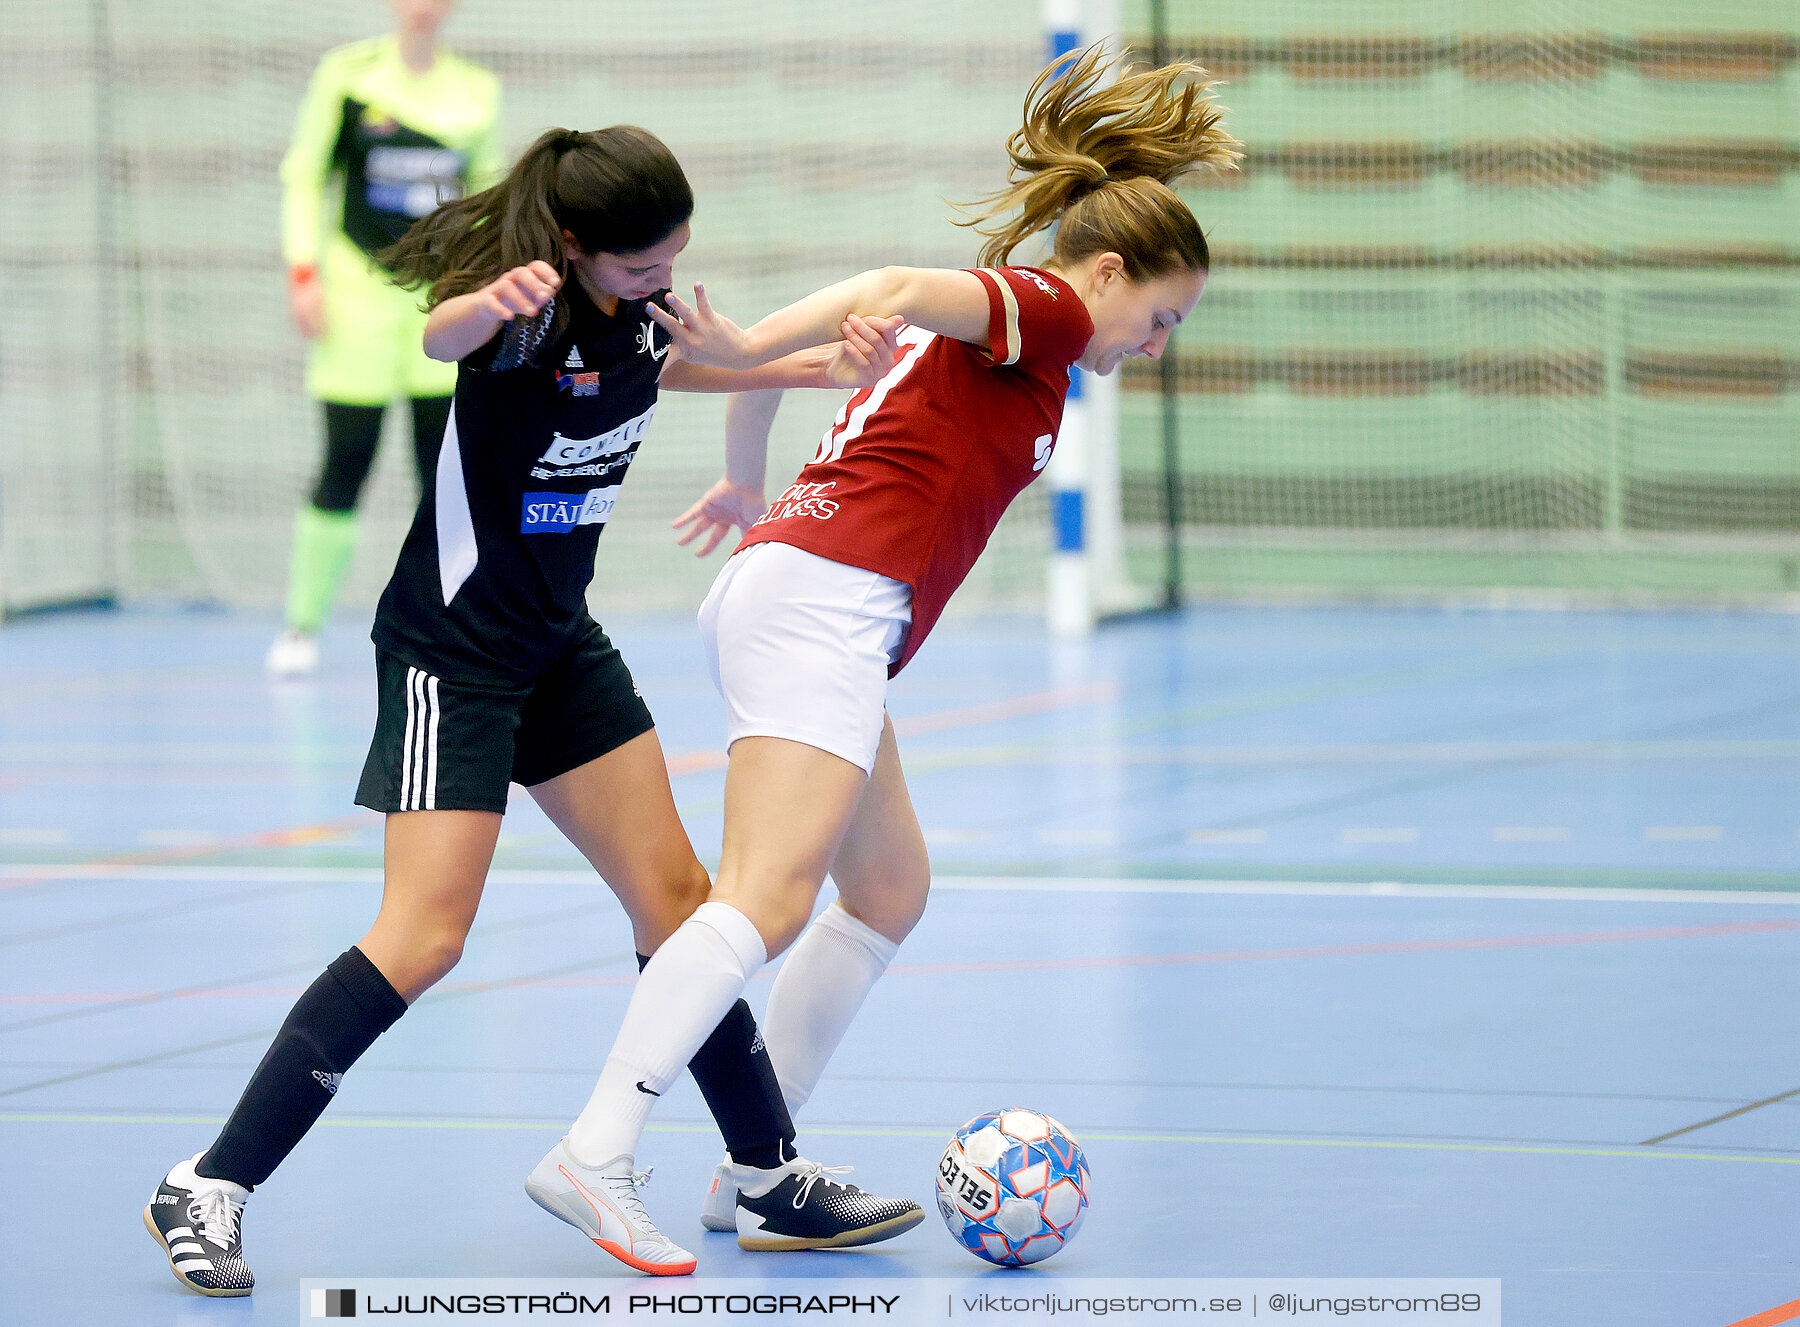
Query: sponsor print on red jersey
{"type": "Point", "coordinates": [915, 472]}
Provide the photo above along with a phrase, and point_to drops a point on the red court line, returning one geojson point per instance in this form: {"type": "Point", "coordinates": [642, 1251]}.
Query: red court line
{"type": "Point", "coordinates": [691, 762]}
{"type": "Point", "coordinates": [1769, 1317]}
{"type": "Point", "coordinates": [942, 721]}
{"type": "Point", "coordinates": [1038, 702]}
{"type": "Point", "coordinates": [268, 838]}
{"type": "Point", "coordinates": [694, 762]}
{"type": "Point", "coordinates": [1029, 964]}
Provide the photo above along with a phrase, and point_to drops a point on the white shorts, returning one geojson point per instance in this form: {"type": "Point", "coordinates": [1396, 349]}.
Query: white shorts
{"type": "Point", "coordinates": [799, 647]}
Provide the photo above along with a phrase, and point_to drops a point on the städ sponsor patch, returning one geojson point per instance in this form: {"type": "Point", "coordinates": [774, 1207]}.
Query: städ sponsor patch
{"type": "Point", "coordinates": [558, 513]}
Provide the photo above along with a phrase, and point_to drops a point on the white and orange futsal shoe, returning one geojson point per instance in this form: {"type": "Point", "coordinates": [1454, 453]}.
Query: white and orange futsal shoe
{"type": "Point", "coordinates": [602, 1203]}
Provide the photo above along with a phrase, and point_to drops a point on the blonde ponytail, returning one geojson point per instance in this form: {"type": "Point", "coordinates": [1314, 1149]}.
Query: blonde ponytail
{"type": "Point", "coordinates": [1100, 157]}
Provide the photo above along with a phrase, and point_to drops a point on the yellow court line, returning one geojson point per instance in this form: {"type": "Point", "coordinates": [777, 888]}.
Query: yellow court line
{"type": "Point", "coordinates": [849, 1131]}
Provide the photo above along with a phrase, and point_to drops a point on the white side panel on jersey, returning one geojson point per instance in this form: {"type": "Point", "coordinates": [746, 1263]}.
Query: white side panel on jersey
{"type": "Point", "coordinates": [849, 425]}
{"type": "Point", "coordinates": [455, 526]}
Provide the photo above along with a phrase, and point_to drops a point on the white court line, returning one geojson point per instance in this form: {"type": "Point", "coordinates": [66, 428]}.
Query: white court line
{"type": "Point", "coordinates": [1078, 838]}
{"type": "Point", "coordinates": [1374, 889]}
{"type": "Point", "coordinates": [1532, 834]}
{"type": "Point", "coordinates": [345, 875]}
{"type": "Point", "coordinates": [949, 837]}
{"type": "Point", "coordinates": [112, 754]}
{"type": "Point", "coordinates": [1684, 833]}
{"type": "Point", "coordinates": [33, 838]}
{"type": "Point", "coordinates": [1370, 753]}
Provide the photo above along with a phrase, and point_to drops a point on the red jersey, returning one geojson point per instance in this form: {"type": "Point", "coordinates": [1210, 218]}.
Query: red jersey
{"type": "Point", "coordinates": [914, 474]}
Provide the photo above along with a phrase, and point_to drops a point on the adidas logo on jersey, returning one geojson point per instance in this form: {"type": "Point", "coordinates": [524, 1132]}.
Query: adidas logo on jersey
{"type": "Point", "coordinates": [329, 1082]}
{"type": "Point", "coordinates": [574, 360]}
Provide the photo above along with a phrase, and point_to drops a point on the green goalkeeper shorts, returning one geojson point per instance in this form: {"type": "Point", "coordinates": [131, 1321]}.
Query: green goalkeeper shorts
{"type": "Point", "coordinates": [371, 351]}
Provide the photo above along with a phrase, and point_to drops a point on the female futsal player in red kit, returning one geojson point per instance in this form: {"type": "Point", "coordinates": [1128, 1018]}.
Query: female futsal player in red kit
{"type": "Point", "coordinates": [837, 584]}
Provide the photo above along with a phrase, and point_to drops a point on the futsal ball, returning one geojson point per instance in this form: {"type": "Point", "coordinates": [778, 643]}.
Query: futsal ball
{"type": "Point", "coordinates": [1012, 1186]}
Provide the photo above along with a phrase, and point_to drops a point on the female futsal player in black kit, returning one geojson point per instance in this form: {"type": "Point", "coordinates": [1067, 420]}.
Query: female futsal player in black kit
{"type": "Point", "coordinates": [491, 672]}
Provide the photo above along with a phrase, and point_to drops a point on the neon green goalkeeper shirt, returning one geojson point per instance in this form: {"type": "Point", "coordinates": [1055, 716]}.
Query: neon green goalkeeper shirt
{"type": "Point", "coordinates": [396, 143]}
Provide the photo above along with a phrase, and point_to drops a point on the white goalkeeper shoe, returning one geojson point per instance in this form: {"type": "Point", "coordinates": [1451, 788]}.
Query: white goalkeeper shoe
{"type": "Point", "coordinates": [293, 654]}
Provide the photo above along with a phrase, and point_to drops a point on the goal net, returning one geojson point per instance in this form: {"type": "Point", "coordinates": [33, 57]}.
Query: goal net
{"type": "Point", "coordinates": [151, 385]}
{"type": "Point", "coordinates": [1506, 300]}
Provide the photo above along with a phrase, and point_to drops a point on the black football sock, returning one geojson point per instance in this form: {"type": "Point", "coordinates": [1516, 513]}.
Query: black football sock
{"type": "Point", "coordinates": [735, 1075]}
{"type": "Point", "coordinates": [333, 1022]}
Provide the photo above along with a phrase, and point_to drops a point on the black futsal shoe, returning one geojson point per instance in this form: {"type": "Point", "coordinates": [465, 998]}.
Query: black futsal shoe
{"type": "Point", "coordinates": [196, 1221]}
{"type": "Point", "coordinates": [796, 1206]}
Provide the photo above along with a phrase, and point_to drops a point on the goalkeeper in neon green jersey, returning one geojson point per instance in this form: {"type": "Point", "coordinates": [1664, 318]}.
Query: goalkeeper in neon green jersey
{"type": "Point", "coordinates": [389, 129]}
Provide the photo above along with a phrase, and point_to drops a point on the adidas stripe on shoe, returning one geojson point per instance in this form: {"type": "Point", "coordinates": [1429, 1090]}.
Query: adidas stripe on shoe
{"type": "Point", "coordinates": [196, 1222]}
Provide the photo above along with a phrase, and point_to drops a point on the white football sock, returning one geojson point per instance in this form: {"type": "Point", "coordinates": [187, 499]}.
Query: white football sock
{"type": "Point", "coordinates": [820, 987]}
{"type": "Point", "coordinates": [681, 995]}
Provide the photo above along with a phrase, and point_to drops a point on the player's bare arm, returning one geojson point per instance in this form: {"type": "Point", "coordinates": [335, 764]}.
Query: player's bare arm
{"type": "Point", "coordinates": [942, 300]}
{"type": "Point", "coordinates": [737, 499]}
{"type": "Point", "coordinates": [866, 352]}
{"type": "Point", "coordinates": [463, 324]}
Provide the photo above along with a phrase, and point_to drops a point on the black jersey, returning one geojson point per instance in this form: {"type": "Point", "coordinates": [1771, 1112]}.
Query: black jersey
{"type": "Point", "coordinates": [399, 141]}
{"type": "Point", "coordinates": [393, 175]}
{"type": "Point", "coordinates": [492, 581]}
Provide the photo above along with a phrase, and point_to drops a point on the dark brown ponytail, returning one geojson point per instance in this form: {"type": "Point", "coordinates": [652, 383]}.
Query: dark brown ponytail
{"type": "Point", "coordinates": [616, 190]}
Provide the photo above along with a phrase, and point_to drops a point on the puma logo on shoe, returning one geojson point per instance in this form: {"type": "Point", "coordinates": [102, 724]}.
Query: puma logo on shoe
{"type": "Point", "coordinates": [610, 1232]}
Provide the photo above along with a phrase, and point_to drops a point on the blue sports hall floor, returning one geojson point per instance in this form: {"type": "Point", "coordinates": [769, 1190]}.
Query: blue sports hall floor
{"type": "Point", "coordinates": [1350, 943]}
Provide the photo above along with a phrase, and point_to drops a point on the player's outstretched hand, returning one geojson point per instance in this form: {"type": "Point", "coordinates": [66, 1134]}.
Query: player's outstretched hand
{"type": "Point", "coordinates": [723, 506]}
{"type": "Point", "coordinates": [866, 353]}
{"type": "Point", "coordinates": [522, 291]}
{"type": "Point", "coordinates": [702, 335]}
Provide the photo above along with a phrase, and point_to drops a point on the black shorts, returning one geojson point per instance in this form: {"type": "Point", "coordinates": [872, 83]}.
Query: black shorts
{"type": "Point", "coordinates": [451, 746]}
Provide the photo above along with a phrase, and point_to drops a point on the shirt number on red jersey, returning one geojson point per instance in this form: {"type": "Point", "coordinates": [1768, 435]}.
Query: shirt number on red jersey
{"type": "Point", "coordinates": [850, 421]}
